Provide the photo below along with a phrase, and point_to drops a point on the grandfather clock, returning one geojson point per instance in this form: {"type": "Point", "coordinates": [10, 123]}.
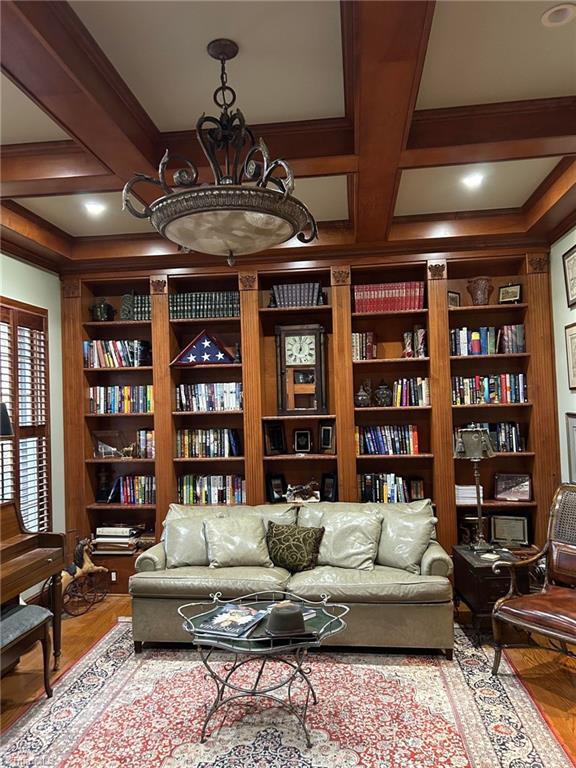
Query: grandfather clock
{"type": "Point", "coordinates": [300, 360]}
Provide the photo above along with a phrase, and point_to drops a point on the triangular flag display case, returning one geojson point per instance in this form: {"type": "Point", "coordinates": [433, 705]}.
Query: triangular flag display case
{"type": "Point", "coordinates": [204, 349]}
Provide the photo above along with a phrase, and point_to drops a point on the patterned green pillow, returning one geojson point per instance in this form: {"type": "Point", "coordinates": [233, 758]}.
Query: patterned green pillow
{"type": "Point", "coordinates": [293, 547]}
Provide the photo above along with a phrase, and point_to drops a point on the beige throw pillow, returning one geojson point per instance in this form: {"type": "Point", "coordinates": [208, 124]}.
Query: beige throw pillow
{"type": "Point", "coordinates": [236, 541]}
{"type": "Point", "coordinates": [185, 543]}
{"type": "Point", "coordinates": [405, 537]}
{"type": "Point", "coordinates": [350, 539]}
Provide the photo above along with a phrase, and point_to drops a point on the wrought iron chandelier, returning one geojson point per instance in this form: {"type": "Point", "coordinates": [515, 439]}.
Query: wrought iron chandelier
{"type": "Point", "coordinates": [248, 208]}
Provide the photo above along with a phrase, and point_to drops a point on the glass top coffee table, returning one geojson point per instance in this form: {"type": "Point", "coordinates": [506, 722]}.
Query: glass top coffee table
{"type": "Point", "coordinates": [263, 666]}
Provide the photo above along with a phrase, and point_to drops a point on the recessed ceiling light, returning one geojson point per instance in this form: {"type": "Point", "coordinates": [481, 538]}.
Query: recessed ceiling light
{"type": "Point", "coordinates": [473, 180]}
{"type": "Point", "coordinates": [94, 208]}
{"type": "Point", "coordinates": [559, 15]}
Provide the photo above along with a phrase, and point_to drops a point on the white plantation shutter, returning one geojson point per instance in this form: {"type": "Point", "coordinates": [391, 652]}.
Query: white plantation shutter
{"type": "Point", "coordinates": [24, 382]}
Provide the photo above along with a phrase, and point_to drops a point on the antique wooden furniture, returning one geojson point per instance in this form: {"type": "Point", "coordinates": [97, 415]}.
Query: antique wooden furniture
{"type": "Point", "coordinates": [478, 586]}
{"type": "Point", "coordinates": [552, 611]}
{"type": "Point", "coordinates": [27, 559]}
{"type": "Point", "coordinates": [20, 627]}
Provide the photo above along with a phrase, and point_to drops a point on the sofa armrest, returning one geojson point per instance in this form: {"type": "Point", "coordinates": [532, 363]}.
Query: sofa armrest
{"type": "Point", "coordinates": [435, 561]}
{"type": "Point", "coordinates": [153, 559]}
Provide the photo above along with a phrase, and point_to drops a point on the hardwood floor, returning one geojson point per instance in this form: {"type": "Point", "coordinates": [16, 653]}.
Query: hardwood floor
{"type": "Point", "coordinates": [551, 678]}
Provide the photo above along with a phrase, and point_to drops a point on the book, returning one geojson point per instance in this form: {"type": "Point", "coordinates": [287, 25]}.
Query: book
{"type": "Point", "coordinates": [231, 620]}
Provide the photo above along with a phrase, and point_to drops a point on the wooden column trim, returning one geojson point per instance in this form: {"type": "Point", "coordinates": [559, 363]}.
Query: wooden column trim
{"type": "Point", "coordinates": [343, 382]}
{"type": "Point", "coordinates": [440, 395]}
{"type": "Point", "coordinates": [252, 387]}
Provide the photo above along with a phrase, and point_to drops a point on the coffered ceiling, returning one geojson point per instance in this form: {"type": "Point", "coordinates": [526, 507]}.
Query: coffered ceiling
{"type": "Point", "coordinates": [381, 108]}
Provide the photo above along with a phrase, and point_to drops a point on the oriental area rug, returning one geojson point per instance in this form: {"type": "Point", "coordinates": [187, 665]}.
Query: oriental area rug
{"type": "Point", "coordinates": [114, 709]}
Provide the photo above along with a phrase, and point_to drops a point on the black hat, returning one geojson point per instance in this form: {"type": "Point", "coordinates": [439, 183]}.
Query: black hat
{"type": "Point", "coordinates": [285, 619]}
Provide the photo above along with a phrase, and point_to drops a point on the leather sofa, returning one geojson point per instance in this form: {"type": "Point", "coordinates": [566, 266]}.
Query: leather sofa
{"type": "Point", "coordinates": [398, 592]}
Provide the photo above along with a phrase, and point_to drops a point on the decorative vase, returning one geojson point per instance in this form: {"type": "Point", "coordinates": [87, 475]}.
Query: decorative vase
{"type": "Point", "coordinates": [101, 310]}
{"type": "Point", "coordinates": [383, 395]}
{"type": "Point", "coordinates": [408, 350]}
{"type": "Point", "coordinates": [480, 289]}
{"type": "Point", "coordinates": [362, 398]}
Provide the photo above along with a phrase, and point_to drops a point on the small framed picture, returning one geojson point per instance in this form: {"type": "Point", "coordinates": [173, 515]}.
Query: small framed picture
{"type": "Point", "coordinates": [274, 440]}
{"type": "Point", "coordinates": [275, 488]}
{"type": "Point", "coordinates": [509, 487]}
{"type": "Point", "coordinates": [505, 529]}
{"type": "Point", "coordinates": [327, 437]}
{"type": "Point", "coordinates": [571, 437]}
{"type": "Point", "coordinates": [453, 299]}
{"type": "Point", "coordinates": [302, 441]}
{"type": "Point", "coordinates": [329, 487]}
{"type": "Point", "coordinates": [570, 333]}
{"type": "Point", "coordinates": [510, 294]}
{"type": "Point", "coordinates": [569, 260]}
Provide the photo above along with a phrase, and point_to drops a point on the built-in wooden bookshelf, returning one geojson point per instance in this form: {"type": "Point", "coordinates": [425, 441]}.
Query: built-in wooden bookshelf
{"type": "Point", "coordinates": [250, 333]}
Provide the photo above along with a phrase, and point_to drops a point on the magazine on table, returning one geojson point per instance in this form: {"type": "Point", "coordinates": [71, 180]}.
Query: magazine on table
{"type": "Point", "coordinates": [232, 620]}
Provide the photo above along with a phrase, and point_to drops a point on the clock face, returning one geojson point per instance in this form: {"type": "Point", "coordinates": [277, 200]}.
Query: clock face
{"type": "Point", "coordinates": [300, 350]}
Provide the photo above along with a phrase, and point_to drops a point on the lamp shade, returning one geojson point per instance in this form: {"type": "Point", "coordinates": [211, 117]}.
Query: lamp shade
{"type": "Point", "coordinates": [473, 443]}
{"type": "Point", "coordinates": [5, 423]}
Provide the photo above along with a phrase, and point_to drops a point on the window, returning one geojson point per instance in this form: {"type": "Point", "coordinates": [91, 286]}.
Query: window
{"type": "Point", "coordinates": [25, 459]}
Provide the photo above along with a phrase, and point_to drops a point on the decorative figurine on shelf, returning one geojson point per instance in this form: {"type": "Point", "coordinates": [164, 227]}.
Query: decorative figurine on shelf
{"type": "Point", "coordinates": [101, 310]}
{"type": "Point", "coordinates": [420, 341]}
{"type": "Point", "coordinates": [127, 307]}
{"type": "Point", "coordinates": [237, 352]}
{"type": "Point", "coordinates": [103, 484]}
{"type": "Point", "coordinates": [272, 304]}
{"type": "Point", "coordinates": [322, 298]}
{"type": "Point", "coordinates": [408, 350]}
{"type": "Point", "coordinates": [480, 289]}
{"type": "Point", "coordinates": [363, 397]}
{"type": "Point", "coordinates": [383, 395]}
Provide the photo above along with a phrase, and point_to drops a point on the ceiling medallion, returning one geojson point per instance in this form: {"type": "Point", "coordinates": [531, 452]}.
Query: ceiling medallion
{"type": "Point", "coordinates": [226, 218]}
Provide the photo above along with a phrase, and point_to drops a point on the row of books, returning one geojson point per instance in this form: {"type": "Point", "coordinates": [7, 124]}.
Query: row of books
{"type": "Point", "coordinates": [364, 346]}
{"type": "Point", "coordinates": [145, 443]}
{"type": "Point", "coordinates": [125, 399]}
{"type": "Point", "coordinates": [297, 294]}
{"type": "Point", "coordinates": [413, 391]}
{"type": "Point", "coordinates": [211, 489]}
{"type": "Point", "coordinates": [116, 353]}
{"type": "Point", "coordinates": [212, 396]}
{"type": "Point", "coordinates": [117, 539]}
{"type": "Point", "coordinates": [207, 443]}
{"type": "Point", "coordinates": [389, 297]}
{"type": "Point", "coordinates": [142, 307]}
{"type": "Point", "coordinates": [387, 440]}
{"type": "Point", "coordinates": [133, 489]}
{"type": "Point", "coordinates": [505, 436]}
{"type": "Point", "coordinates": [487, 340]}
{"type": "Point", "coordinates": [493, 388]}
{"type": "Point", "coordinates": [389, 488]}
{"type": "Point", "coordinates": [204, 304]}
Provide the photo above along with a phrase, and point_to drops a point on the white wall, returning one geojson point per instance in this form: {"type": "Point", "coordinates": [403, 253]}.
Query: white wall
{"type": "Point", "coordinates": [563, 316]}
{"type": "Point", "coordinates": [23, 282]}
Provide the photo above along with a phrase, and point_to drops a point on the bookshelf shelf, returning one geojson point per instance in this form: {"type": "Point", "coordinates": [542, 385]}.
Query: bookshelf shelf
{"type": "Point", "coordinates": [302, 457]}
{"type": "Point", "coordinates": [393, 361]}
{"type": "Point", "coordinates": [392, 408]}
{"type": "Point", "coordinates": [488, 308]}
{"type": "Point", "coordinates": [409, 456]}
{"type": "Point", "coordinates": [120, 460]}
{"type": "Point", "coordinates": [314, 308]}
{"type": "Point", "coordinates": [207, 459]}
{"type": "Point", "coordinates": [497, 357]}
{"type": "Point", "coordinates": [301, 417]}
{"type": "Point", "coordinates": [495, 504]}
{"type": "Point", "coordinates": [104, 506]}
{"type": "Point", "coordinates": [209, 366]}
{"type": "Point", "coordinates": [120, 369]}
{"type": "Point", "coordinates": [179, 322]}
{"type": "Point", "coordinates": [395, 313]}
{"type": "Point", "coordinates": [514, 454]}
{"type": "Point", "coordinates": [207, 413]}
{"type": "Point", "coordinates": [118, 415]}
{"type": "Point", "coordinates": [495, 406]}
{"type": "Point", "coordinates": [102, 324]}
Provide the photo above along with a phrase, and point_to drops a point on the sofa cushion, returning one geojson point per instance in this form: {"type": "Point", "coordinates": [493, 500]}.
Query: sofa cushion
{"type": "Point", "coordinates": [350, 539]}
{"type": "Point", "coordinates": [380, 585]}
{"type": "Point", "coordinates": [236, 541]}
{"type": "Point", "coordinates": [405, 537]}
{"type": "Point", "coordinates": [184, 542]}
{"type": "Point", "coordinates": [279, 513]}
{"type": "Point", "coordinates": [201, 581]}
{"type": "Point", "coordinates": [292, 546]}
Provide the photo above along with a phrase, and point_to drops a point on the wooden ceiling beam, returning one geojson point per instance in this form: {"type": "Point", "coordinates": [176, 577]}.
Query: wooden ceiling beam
{"type": "Point", "coordinates": [553, 201]}
{"type": "Point", "coordinates": [25, 235]}
{"type": "Point", "coordinates": [491, 132]}
{"type": "Point", "coordinates": [52, 168]}
{"type": "Point", "coordinates": [49, 54]}
{"type": "Point", "coordinates": [391, 42]}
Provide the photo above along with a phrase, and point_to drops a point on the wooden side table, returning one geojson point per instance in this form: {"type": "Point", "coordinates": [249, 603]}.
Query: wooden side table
{"type": "Point", "coordinates": [478, 586]}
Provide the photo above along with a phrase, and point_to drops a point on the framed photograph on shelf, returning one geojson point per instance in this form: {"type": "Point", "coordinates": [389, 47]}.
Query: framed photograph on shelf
{"type": "Point", "coordinates": [453, 299]}
{"type": "Point", "coordinates": [570, 334]}
{"type": "Point", "coordinates": [510, 294]}
{"type": "Point", "coordinates": [329, 487]}
{"type": "Point", "coordinates": [275, 488]}
{"type": "Point", "coordinates": [571, 437]}
{"type": "Point", "coordinates": [327, 437]}
{"type": "Point", "coordinates": [274, 439]}
{"type": "Point", "coordinates": [511, 487]}
{"type": "Point", "coordinates": [569, 260]}
{"type": "Point", "coordinates": [302, 441]}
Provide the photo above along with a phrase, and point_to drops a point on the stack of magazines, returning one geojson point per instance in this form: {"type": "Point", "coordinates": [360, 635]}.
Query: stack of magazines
{"type": "Point", "coordinates": [231, 620]}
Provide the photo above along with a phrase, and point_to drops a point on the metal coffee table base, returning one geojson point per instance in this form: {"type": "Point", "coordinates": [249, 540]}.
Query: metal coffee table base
{"type": "Point", "coordinates": [292, 671]}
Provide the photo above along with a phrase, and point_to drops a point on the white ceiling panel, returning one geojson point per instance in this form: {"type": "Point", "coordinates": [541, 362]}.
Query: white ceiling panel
{"type": "Point", "coordinates": [483, 52]}
{"type": "Point", "coordinates": [440, 190]}
{"type": "Point", "coordinates": [326, 197]}
{"type": "Point", "coordinates": [289, 66]}
{"type": "Point", "coordinates": [21, 121]}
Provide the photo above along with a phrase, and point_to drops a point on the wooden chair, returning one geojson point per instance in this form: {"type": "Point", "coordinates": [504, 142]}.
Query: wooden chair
{"type": "Point", "coordinates": [552, 611]}
{"type": "Point", "coordinates": [20, 627]}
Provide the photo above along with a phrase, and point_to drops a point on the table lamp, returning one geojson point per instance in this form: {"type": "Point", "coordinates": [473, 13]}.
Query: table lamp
{"type": "Point", "coordinates": [473, 443]}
